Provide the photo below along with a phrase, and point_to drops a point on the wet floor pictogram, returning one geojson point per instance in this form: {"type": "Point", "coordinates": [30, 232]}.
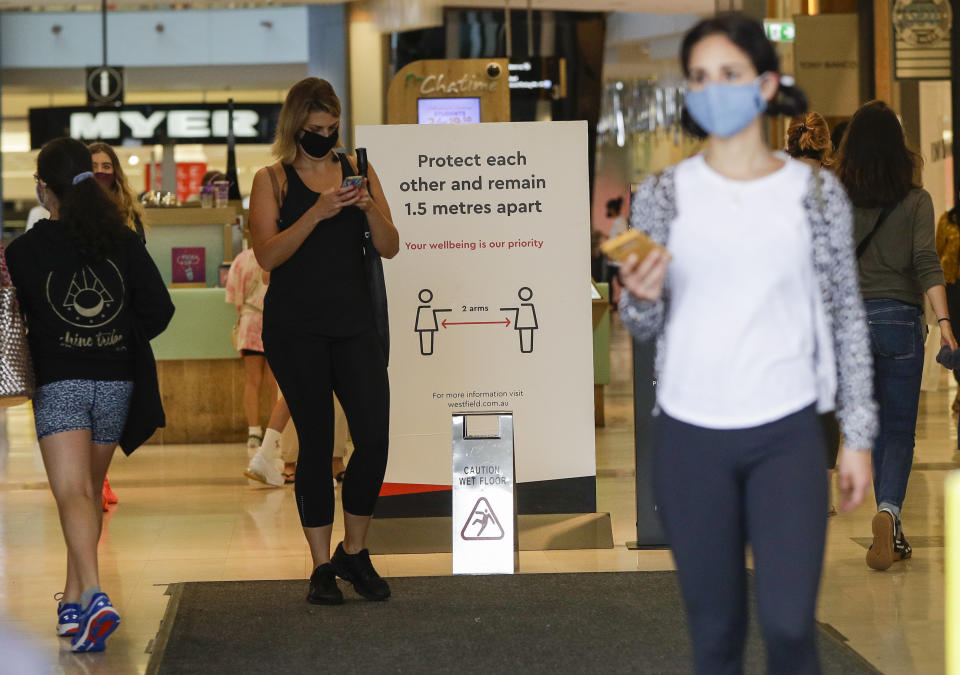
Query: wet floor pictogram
{"type": "Point", "coordinates": [482, 524]}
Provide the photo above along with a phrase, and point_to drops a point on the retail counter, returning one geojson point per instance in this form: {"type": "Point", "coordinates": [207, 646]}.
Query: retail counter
{"type": "Point", "coordinates": [201, 376]}
{"type": "Point", "coordinates": [174, 228]}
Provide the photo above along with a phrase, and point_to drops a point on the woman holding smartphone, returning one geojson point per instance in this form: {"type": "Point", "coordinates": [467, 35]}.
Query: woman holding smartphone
{"type": "Point", "coordinates": [760, 250]}
{"type": "Point", "coordinates": [319, 334]}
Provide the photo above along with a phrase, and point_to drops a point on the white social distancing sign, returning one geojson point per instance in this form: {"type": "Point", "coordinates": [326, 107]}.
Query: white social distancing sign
{"type": "Point", "coordinates": [484, 504]}
{"type": "Point", "coordinates": [489, 299]}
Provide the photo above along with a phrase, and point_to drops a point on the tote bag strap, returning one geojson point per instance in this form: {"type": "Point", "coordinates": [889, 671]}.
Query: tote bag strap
{"type": "Point", "coordinates": [277, 195]}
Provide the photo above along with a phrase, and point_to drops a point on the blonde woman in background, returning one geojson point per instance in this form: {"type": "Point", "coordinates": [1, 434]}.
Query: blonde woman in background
{"type": "Point", "coordinates": [108, 170]}
{"type": "Point", "coordinates": [808, 140]}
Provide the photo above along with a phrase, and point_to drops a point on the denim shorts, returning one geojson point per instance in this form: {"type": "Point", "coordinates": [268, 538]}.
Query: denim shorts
{"type": "Point", "coordinates": [69, 405]}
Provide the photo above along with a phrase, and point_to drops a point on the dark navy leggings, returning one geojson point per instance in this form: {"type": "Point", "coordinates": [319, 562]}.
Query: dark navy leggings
{"type": "Point", "coordinates": [718, 491]}
{"type": "Point", "coordinates": [309, 370]}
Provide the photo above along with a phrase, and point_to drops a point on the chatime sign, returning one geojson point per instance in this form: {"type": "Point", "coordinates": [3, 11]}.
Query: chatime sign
{"type": "Point", "coordinates": [439, 84]}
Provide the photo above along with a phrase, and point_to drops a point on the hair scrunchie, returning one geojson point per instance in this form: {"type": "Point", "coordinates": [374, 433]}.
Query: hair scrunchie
{"type": "Point", "coordinates": [83, 175]}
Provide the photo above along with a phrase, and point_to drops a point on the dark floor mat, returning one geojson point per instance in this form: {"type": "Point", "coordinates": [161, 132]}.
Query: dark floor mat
{"type": "Point", "coordinates": [614, 622]}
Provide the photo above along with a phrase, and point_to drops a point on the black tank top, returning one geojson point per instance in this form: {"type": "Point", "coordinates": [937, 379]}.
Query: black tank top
{"type": "Point", "coordinates": [322, 287]}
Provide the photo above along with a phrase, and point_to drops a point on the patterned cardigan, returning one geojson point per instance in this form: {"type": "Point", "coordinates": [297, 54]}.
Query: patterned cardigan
{"type": "Point", "coordinates": [828, 213]}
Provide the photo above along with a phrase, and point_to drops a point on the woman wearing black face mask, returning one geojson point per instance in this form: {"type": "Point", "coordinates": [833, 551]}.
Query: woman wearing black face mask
{"type": "Point", "coordinates": [319, 334]}
{"type": "Point", "coordinates": [108, 171]}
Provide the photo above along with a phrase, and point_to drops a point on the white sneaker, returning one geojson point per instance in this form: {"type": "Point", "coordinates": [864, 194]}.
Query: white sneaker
{"type": "Point", "coordinates": [266, 471]}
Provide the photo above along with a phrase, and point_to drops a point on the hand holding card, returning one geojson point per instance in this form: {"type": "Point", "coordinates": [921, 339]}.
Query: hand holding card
{"type": "Point", "coordinates": [630, 242]}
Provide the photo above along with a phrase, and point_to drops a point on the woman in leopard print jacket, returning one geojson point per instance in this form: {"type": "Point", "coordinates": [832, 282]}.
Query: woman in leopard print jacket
{"type": "Point", "coordinates": [755, 306]}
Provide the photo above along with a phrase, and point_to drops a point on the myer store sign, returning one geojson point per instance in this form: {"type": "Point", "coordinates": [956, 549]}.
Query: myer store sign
{"type": "Point", "coordinates": [154, 124]}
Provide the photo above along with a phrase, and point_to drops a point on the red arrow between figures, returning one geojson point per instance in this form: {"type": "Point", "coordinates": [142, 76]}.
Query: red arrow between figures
{"type": "Point", "coordinates": [505, 323]}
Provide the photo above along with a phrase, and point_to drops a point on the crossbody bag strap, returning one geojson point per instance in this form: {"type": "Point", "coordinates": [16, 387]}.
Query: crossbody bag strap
{"type": "Point", "coordinates": [886, 211]}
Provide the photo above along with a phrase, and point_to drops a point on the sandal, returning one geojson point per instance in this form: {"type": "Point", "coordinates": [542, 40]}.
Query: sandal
{"type": "Point", "coordinates": [289, 478]}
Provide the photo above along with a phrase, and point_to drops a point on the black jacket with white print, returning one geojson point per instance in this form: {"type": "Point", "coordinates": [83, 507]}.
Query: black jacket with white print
{"type": "Point", "coordinates": [83, 316]}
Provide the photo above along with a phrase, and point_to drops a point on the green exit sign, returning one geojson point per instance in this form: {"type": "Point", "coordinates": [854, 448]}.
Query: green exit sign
{"type": "Point", "coordinates": [780, 31]}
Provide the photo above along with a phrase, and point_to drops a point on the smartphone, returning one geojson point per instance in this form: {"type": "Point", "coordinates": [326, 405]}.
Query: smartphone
{"type": "Point", "coordinates": [352, 181]}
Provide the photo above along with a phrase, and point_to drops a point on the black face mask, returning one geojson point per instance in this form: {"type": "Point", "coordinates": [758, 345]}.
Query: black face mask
{"type": "Point", "coordinates": [318, 146]}
{"type": "Point", "coordinates": [106, 180]}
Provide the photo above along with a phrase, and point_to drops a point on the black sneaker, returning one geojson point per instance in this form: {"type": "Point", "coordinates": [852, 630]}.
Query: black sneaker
{"type": "Point", "coordinates": [901, 548]}
{"type": "Point", "coordinates": [323, 586]}
{"type": "Point", "coordinates": [889, 545]}
{"type": "Point", "coordinates": [358, 570]}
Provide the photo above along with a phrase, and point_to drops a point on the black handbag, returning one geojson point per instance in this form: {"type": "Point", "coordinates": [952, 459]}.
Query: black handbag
{"type": "Point", "coordinates": [373, 271]}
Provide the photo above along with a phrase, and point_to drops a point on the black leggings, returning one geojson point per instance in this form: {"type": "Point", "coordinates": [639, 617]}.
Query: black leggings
{"type": "Point", "coordinates": [718, 490]}
{"type": "Point", "coordinates": [309, 370]}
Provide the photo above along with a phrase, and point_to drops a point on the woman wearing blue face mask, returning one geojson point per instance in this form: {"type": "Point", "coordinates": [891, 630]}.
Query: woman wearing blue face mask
{"type": "Point", "coordinates": [760, 250]}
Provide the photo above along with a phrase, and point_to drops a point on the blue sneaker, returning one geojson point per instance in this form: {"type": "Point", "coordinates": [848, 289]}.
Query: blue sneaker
{"type": "Point", "coordinates": [97, 622]}
{"type": "Point", "coordinates": [68, 617]}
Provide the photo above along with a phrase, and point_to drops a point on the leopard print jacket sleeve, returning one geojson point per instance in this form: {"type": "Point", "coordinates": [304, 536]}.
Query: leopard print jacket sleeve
{"type": "Point", "coordinates": [654, 209]}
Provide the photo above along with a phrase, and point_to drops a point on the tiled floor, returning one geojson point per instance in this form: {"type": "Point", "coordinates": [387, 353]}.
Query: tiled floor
{"type": "Point", "coordinates": [186, 514]}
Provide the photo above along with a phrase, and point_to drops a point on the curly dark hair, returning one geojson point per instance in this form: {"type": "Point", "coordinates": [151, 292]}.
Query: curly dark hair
{"type": "Point", "coordinates": [876, 166]}
{"type": "Point", "coordinates": [88, 215]}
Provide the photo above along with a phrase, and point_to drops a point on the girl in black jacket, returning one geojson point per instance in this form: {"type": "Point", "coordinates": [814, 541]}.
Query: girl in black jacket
{"type": "Point", "coordinates": [92, 297]}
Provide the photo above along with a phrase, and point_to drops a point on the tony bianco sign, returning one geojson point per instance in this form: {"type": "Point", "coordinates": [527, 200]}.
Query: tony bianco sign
{"type": "Point", "coordinates": [155, 124]}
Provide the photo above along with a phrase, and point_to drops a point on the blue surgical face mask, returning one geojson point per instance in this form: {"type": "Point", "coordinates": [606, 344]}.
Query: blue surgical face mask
{"type": "Point", "coordinates": [723, 110]}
